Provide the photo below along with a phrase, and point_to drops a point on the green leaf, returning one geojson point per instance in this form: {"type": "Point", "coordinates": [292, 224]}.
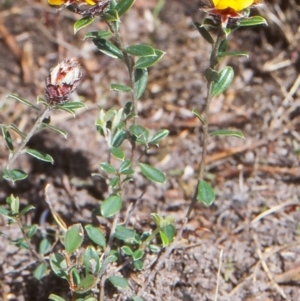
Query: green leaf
{"type": "Point", "coordinates": [96, 235]}
{"type": "Point", "coordinates": [108, 48]}
{"type": "Point", "coordinates": [125, 166]}
{"type": "Point", "coordinates": [118, 281]}
{"type": "Point", "coordinates": [26, 209]}
{"type": "Point", "coordinates": [114, 182]}
{"type": "Point", "coordinates": [111, 15]}
{"type": "Point", "coordinates": [108, 168]}
{"type": "Point", "coordinates": [140, 81]}
{"type": "Point", "coordinates": [38, 155]}
{"type": "Point", "coordinates": [123, 6]}
{"type": "Point", "coordinates": [14, 175]}
{"type": "Point", "coordinates": [148, 61]}
{"type": "Point", "coordinates": [54, 128]}
{"type": "Point", "coordinates": [40, 271]}
{"type": "Point", "coordinates": [141, 133]}
{"type": "Point", "coordinates": [127, 250]}
{"type": "Point", "coordinates": [152, 173]}
{"type": "Point", "coordinates": [223, 46]}
{"type": "Point", "coordinates": [85, 21]}
{"type": "Point", "coordinates": [138, 264]}
{"type": "Point", "coordinates": [158, 136]}
{"type": "Point", "coordinates": [86, 284]}
{"type": "Point", "coordinates": [31, 230]}
{"type": "Point", "coordinates": [111, 205]}
{"type": "Point", "coordinates": [97, 34]}
{"type": "Point", "coordinates": [58, 265]}
{"type": "Point", "coordinates": [44, 246]}
{"type": "Point", "coordinates": [23, 101]}
{"type": "Point", "coordinates": [237, 134]}
{"type": "Point", "coordinates": [91, 260]}
{"type": "Point", "coordinates": [7, 137]}
{"type": "Point", "coordinates": [252, 21]}
{"type": "Point", "coordinates": [120, 88]}
{"type": "Point", "coordinates": [126, 234]}
{"type": "Point", "coordinates": [154, 248]}
{"type": "Point", "coordinates": [211, 75]}
{"type": "Point", "coordinates": [233, 53]}
{"type": "Point", "coordinates": [141, 50]}
{"type": "Point", "coordinates": [205, 193]}
{"type": "Point", "coordinates": [226, 77]}
{"type": "Point", "coordinates": [198, 115]}
{"type": "Point", "coordinates": [164, 239]}
{"type": "Point", "coordinates": [117, 153]}
{"type": "Point", "coordinates": [14, 203]}
{"type": "Point", "coordinates": [72, 105]}
{"type": "Point", "coordinates": [204, 33]}
{"type": "Point", "coordinates": [138, 254]}
{"type": "Point", "coordinates": [73, 238]}
{"type": "Point", "coordinates": [169, 231]}
{"type": "Point", "coordinates": [118, 139]}
{"type": "Point", "coordinates": [15, 128]}
{"type": "Point", "coordinates": [54, 297]}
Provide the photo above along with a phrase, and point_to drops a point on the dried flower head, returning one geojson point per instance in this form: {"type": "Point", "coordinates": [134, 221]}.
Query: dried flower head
{"type": "Point", "coordinates": [83, 7]}
{"type": "Point", "coordinates": [62, 81]}
{"type": "Point", "coordinates": [228, 9]}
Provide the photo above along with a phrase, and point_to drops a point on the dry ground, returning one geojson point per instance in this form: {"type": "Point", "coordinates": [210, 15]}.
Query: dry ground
{"type": "Point", "coordinates": [255, 219]}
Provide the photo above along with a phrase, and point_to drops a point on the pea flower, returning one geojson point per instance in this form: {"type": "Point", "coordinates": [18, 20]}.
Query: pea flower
{"type": "Point", "coordinates": [85, 8]}
{"type": "Point", "coordinates": [62, 80]}
{"type": "Point", "coordinates": [229, 9]}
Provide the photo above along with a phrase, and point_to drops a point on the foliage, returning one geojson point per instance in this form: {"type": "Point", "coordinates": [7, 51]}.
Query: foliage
{"type": "Point", "coordinates": [88, 253]}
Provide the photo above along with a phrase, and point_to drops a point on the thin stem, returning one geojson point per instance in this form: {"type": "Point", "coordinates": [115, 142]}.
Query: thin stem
{"type": "Point", "coordinates": [213, 62]}
{"type": "Point", "coordinates": [129, 64]}
{"type": "Point", "coordinates": [37, 124]}
{"type": "Point", "coordinates": [30, 247]}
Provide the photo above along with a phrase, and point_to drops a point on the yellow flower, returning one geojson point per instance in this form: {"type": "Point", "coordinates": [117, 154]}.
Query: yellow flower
{"type": "Point", "coordinates": [236, 5]}
{"type": "Point", "coordinates": [68, 2]}
{"type": "Point", "coordinates": [228, 9]}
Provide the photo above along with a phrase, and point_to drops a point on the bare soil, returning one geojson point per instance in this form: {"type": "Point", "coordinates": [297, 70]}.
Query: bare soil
{"type": "Point", "coordinates": [251, 233]}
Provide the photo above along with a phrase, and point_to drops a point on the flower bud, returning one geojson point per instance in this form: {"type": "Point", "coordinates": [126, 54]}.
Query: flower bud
{"type": "Point", "coordinates": [62, 81]}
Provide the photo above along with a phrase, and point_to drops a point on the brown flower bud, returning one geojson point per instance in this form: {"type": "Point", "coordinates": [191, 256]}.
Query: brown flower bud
{"type": "Point", "coordinates": [62, 81]}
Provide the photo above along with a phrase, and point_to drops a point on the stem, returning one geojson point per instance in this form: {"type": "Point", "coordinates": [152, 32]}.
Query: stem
{"type": "Point", "coordinates": [129, 64]}
{"type": "Point", "coordinates": [37, 124]}
{"type": "Point", "coordinates": [213, 62]}
{"type": "Point", "coordinates": [30, 247]}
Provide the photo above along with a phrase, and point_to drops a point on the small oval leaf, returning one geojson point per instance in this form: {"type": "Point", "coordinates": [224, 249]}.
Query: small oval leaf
{"type": "Point", "coordinates": [111, 205]}
{"type": "Point", "coordinates": [205, 193]}
{"type": "Point", "coordinates": [148, 61]}
{"type": "Point", "coordinates": [141, 50]}
{"type": "Point", "coordinates": [152, 173]}
{"type": "Point", "coordinates": [73, 238]}
{"type": "Point", "coordinates": [140, 81]}
{"type": "Point", "coordinates": [237, 134]}
{"type": "Point", "coordinates": [14, 175]}
{"type": "Point", "coordinates": [85, 21]}
{"type": "Point", "coordinates": [40, 156]}
{"type": "Point", "coordinates": [123, 6]}
{"type": "Point", "coordinates": [96, 235]}
{"type": "Point", "coordinates": [118, 281]}
{"type": "Point", "coordinates": [225, 79]}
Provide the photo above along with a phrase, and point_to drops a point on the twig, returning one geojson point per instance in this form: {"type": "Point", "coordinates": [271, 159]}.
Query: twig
{"type": "Point", "coordinates": [266, 268]}
{"type": "Point", "coordinates": [37, 124]}
{"type": "Point", "coordinates": [219, 273]}
{"type": "Point", "coordinates": [213, 62]}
